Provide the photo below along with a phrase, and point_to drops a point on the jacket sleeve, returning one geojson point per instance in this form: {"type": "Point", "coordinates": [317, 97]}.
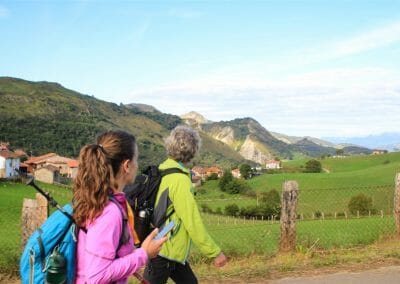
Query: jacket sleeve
{"type": "Point", "coordinates": [186, 209]}
{"type": "Point", "coordinates": [101, 244]}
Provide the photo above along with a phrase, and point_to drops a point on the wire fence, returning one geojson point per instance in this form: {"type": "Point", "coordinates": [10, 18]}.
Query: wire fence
{"type": "Point", "coordinates": [326, 218]}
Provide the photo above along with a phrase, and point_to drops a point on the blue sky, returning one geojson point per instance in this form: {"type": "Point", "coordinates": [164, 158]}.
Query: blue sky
{"type": "Point", "coordinates": [318, 68]}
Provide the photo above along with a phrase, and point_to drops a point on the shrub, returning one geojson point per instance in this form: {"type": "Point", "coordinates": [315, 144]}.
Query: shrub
{"type": "Point", "coordinates": [213, 176]}
{"type": "Point", "coordinates": [362, 204]}
{"type": "Point", "coordinates": [232, 209]}
{"type": "Point", "coordinates": [205, 208]}
{"type": "Point", "coordinates": [313, 166]}
{"type": "Point", "coordinates": [249, 211]}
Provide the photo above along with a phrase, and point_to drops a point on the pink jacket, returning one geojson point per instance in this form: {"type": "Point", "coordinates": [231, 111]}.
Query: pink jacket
{"type": "Point", "coordinates": [96, 252]}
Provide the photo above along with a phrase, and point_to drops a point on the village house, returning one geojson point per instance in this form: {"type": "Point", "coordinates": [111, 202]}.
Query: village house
{"type": "Point", "coordinates": [378, 152]}
{"type": "Point", "coordinates": [35, 163]}
{"type": "Point", "coordinates": [236, 173]}
{"type": "Point", "coordinates": [72, 168]}
{"type": "Point", "coordinates": [199, 171]}
{"type": "Point", "coordinates": [47, 174]}
{"type": "Point", "coordinates": [9, 161]}
{"type": "Point", "coordinates": [273, 164]}
{"type": "Point", "coordinates": [38, 162]}
{"type": "Point", "coordinates": [205, 172]}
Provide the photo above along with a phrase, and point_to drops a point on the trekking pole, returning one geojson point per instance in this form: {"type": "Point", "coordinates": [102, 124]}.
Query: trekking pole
{"type": "Point", "coordinates": [50, 199]}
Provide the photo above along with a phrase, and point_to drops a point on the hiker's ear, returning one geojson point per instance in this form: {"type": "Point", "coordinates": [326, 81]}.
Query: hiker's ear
{"type": "Point", "coordinates": [125, 166]}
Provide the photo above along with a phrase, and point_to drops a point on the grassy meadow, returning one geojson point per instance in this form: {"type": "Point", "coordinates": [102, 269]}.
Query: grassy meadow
{"type": "Point", "coordinates": [327, 192]}
{"type": "Point", "coordinates": [12, 196]}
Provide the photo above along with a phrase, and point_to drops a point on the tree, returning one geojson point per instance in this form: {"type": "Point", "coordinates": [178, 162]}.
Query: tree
{"type": "Point", "coordinates": [339, 152]}
{"type": "Point", "coordinates": [313, 166]}
{"type": "Point", "coordinates": [225, 179]}
{"type": "Point", "coordinates": [245, 171]}
{"type": "Point", "coordinates": [270, 204]}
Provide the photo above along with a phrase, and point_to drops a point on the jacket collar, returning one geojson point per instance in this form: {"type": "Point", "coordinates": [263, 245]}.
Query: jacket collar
{"type": "Point", "coordinates": [171, 163]}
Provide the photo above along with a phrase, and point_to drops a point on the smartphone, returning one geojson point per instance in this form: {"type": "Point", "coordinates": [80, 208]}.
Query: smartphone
{"type": "Point", "coordinates": [167, 228]}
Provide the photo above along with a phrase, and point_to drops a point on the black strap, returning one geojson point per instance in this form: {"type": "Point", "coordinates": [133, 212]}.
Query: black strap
{"type": "Point", "coordinates": [163, 174]}
{"type": "Point", "coordinates": [172, 171]}
{"type": "Point", "coordinates": [41, 248]}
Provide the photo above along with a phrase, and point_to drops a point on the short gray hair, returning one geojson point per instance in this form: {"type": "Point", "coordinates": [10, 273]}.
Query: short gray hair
{"type": "Point", "coordinates": [182, 143]}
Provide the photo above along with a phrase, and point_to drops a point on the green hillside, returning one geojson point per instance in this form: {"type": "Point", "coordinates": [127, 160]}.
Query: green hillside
{"type": "Point", "coordinates": [324, 192]}
{"type": "Point", "coordinates": [46, 117]}
{"type": "Point", "coordinates": [344, 172]}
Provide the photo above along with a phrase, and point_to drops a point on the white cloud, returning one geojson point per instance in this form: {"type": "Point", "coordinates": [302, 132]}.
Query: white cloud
{"type": "Point", "coordinates": [341, 101]}
{"type": "Point", "coordinates": [324, 103]}
{"type": "Point", "coordinates": [372, 39]}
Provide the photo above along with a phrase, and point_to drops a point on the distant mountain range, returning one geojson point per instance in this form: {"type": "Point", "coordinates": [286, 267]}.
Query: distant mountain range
{"type": "Point", "coordinates": [46, 117]}
{"type": "Point", "coordinates": [385, 141]}
{"type": "Point", "coordinates": [253, 142]}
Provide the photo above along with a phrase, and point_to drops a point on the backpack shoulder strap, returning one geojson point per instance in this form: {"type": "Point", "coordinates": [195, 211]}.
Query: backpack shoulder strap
{"type": "Point", "coordinates": [124, 234]}
{"type": "Point", "coordinates": [172, 171]}
{"type": "Point", "coordinates": [163, 174]}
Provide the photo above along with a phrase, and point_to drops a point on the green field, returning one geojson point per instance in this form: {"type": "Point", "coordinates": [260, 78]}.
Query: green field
{"type": "Point", "coordinates": [328, 193]}
{"type": "Point", "coordinates": [246, 237]}
{"type": "Point", "coordinates": [12, 196]}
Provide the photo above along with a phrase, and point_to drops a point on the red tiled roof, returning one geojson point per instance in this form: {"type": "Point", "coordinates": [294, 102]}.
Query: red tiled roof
{"type": "Point", "coordinates": [198, 170]}
{"type": "Point", "coordinates": [39, 159]}
{"type": "Point", "coordinates": [213, 170]}
{"type": "Point", "coordinates": [73, 163]}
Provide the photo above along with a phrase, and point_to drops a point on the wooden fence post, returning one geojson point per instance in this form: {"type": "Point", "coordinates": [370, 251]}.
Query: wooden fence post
{"type": "Point", "coordinates": [288, 216]}
{"type": "Point", "coordinates": [397, 203]}
{"type": "Point", "coordinates": [34, 213]}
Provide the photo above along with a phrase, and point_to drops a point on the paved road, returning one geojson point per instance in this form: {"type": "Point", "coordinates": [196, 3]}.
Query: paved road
{"type": "Point", "coordinates": [384, 275]}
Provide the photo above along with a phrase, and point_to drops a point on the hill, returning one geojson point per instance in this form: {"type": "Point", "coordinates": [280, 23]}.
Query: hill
{"type": "Point", "coordinates": [253, 142]}
{"type": "Point", "coordinates": [45, 117]}
{"type": "Point", "coordinates": [249, 138]}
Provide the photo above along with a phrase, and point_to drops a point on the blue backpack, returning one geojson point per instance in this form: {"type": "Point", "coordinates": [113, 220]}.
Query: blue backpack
{"type": "Point", "coordinates": [50, 252]}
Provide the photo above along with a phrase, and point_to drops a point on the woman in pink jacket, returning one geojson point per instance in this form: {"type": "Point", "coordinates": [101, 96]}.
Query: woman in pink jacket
{"type": "Point", "coordinates": [105, 252]}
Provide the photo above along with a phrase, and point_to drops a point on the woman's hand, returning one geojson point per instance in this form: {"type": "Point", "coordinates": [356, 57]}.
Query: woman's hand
{"type": "Point", "coordinates": [220, 260]}
{"type": "Point", "coordinates": [151, 246]}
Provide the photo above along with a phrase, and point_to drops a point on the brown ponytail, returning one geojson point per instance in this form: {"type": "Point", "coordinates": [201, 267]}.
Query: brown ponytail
{"type": "Point", "coordinates": [99, 164]}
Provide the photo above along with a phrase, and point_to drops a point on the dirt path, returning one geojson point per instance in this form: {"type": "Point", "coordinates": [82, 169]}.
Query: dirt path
{"type": "Point", "coordinates": [383, 275]}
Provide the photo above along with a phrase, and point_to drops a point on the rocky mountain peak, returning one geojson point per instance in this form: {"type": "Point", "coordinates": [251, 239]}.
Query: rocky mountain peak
{"type": "Point", "coordinates": [195, 116]}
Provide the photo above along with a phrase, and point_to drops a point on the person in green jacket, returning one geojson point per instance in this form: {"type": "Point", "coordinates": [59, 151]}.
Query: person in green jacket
{"type": "Point", "coordinates": [176, 201]}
